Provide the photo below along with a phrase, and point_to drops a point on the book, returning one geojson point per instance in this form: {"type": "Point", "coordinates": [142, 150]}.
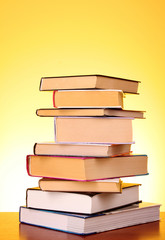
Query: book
{"type": "Point", "coordinates": [109, 130]}
{"type": "Point", "coordinates": [92, 112]}
{"type": "Point", "coordinates": [83, 169]}
{"type": "Point", "coordinates": [109, 185]}
{"type": "Point", "coordinates": [88, 98]}
{"type": "Point", "coordinates": [88, 203]}
{"type": "Point", "coordinates": [82, 224]}
{"type": "Point", "coordinates": [87, 82]}
{"type": "Point", "coordinates": [89, 150]}
{"type": "Point", "coordinates": [153, 230]}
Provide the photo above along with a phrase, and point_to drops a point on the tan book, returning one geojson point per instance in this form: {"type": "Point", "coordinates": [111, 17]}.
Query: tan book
{"type": "Point", "coordinates": [84, 169]}
{"type": "Point", "coordinates": [89, 150]}
{"type": "Point", "coordinates": [91, 112]}
{"type": "Point", "coordinates": [110, 130]}
{"type": "Point", "coordinates": [87, 82]}
{"type": "Point", "coordinates": [88, 99]}
{"type": "Point", "coordinates": [108, 185]}
{"type": "Point", "coordinates": [81, 202]}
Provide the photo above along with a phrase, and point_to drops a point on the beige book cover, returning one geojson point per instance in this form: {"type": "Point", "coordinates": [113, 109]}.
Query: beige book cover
{"type": "Point", "coordinates": [89, 150]}
{"type": "Point", "coordinates": [89, 112]}
{"type": "Point", "coordinates": [88, 99]}
{"type": "Point", "coordinates": [109, 130]}
{"type": "Point", "coordinates": [87, 82]}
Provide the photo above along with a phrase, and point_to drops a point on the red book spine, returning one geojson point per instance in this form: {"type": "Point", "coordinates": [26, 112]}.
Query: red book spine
{"type": "Point", "coordinates": [54, 104]}
{"type": "Point", "coordinates": [27, 164]}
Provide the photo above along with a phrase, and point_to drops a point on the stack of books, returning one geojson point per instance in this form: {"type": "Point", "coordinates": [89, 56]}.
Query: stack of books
{"type": "Point", "coordinates": [80, 190]}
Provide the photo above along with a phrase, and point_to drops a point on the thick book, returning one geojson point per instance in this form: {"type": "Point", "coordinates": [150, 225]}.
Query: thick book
{"type": "Point", "coordinates": [149, 231]}
{"type": "Point", "coordinates": [92, 112]}
{"type": "Point", "coordinates": [87, 82]}
{"type": "Point", "coordinates": [108, 185]}
{"type": "Point", "coordinates": [89, 150]}
{"type": "Point", "coordinates": [88, 203]}
{"type": "Point", "coordinates": [82, 224]}
{"type": "Point", "coordinates": [109, 130]}
{"type": "Point", "coordinates": [84, 169]}
{"type": "Point", "coordinates": [88, 99]}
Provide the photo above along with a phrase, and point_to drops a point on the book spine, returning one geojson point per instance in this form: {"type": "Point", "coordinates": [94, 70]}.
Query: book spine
{"type": "Point", "coordinates": [40, 87]}
{"type": "Point", "coordinates": [55, 131]}
{"type": "Point", "coordinates": [54, 104]}
{"type": "Point", "coordinates": [37, 112]}
{"type": "Point", "coordinates": [34, 148]}
{"type": "Point", "coordinates": [27, 164]}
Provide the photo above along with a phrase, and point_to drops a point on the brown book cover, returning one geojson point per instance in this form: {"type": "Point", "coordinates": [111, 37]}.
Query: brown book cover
{"type": "Point", "coordinates": [88, 150]}
{"type": "Point", "coordinates": [108, 185]}
{"type": "Point", "coordinates": [88, 82]}
{"type": "Point", "coordinates": [86, 169]}
{"type": "Point", "coordinates": [89, 112]}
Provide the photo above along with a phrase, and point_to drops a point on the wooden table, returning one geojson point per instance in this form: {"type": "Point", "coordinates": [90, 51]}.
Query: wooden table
{"type": "Point", "coordinates": [10, 228]}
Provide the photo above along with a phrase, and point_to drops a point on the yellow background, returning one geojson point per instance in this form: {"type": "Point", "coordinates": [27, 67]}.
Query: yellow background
{"type": "Point", "coordinates": [53, 38]}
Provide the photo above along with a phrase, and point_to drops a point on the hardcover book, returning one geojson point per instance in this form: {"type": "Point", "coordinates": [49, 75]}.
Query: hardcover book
{"type": "Point", "coordinates": [88, 82]}
{"type": "Point", "coordinates": [77, 202]}
{"type": "Point", "coordinates": [88, 224]}
{"type": "Point", "coordinates": [88, 99]}
{"type": "Point", "coordinates": [58, 185]}
{"type": "Point", "coordinates": [109, 130]}
{"type": "Point", "coordinates": [89, 112]}
{"type": "Point", "coordinates": [89, 150]}
{"type": "Point", "coordinates": [84, 169]}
